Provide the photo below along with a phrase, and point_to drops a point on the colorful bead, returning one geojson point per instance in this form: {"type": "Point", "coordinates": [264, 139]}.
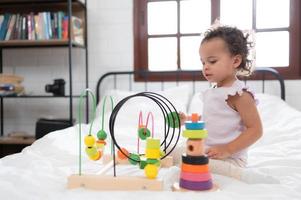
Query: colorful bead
{"type": "Point", "coordinates": [195, 160]}
{"type": "Point", "coordinates": [195, 134]}
{"type": "Point", "coordinates": [89, 140]}
{"type": "Point", "coordinates": [173, 120]}
{"type": "Point", "coordinates": [144, 133]}
{"type": "Point", "coordinates": [152, 153]}
{"type": "Point", "coordinates": [192, 185]}
{"type": "Point", "coordinates": [194, 168]}
{"type": "Point", "coordinates": [195, 117]}
{"type": "Point", "coordinates": [162, 153]}
{"type": "Point", "coordinates": [151, 171]}
{"type": "Point", "coordinates": [134, 158]}
{"type": "Point", "coordinates": [142, 164]}
{"type": "Point", "coordinates": [152, 143]}
{"type": "Point", "coordinates": [195, 125]}
{"type": "Point", "coordinates": [152, 161]}
{"type": "Point", "coordinates": [91, 151]}
{"type": "Point", "coordinates": [195, 147]}
{"type": "Point", "coordinates": [101, 135]}
{"type": "Point", "coordinates": [97, 156]}
{"type": "Point", "coordinates": [121, 155]}
{"type": "Point", "coordinates": [195, 177]}
{"type": "Point", "coordinates": [100, 144]}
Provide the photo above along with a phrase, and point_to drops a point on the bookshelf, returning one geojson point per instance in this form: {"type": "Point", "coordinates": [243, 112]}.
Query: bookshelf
{"type": "Point", "coordinates": [71, 9]}
{"type": "Point", "coordinates": [39, 43]}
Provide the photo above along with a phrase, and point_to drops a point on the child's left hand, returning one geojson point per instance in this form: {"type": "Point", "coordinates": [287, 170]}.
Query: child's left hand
{"type": "Point", "coordinates": [218, 152]}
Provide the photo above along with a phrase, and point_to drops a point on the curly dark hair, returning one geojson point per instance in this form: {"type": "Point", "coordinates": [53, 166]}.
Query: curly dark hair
{"type": "Point", "coordinates": [236, 42]}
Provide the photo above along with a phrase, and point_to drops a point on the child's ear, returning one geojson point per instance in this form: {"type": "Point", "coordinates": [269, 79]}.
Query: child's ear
{"type": "Point", "coordinates": [237, 59]}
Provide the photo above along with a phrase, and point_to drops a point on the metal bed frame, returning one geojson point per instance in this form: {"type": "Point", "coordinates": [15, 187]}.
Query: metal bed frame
{"type": "Point", "coordinates": [262, 72]}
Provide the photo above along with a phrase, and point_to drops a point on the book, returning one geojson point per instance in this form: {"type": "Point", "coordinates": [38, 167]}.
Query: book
{"type": "Point", "coordinates": [4, 26]}
{"type": "Point", "coordinates": [77, 30]}
{"type": "Point", "coordinates": [1, 19]}
{"type": "Point", "coordinates": [65, 28]}
{"type": "Point", "coordinates": [10, 27]}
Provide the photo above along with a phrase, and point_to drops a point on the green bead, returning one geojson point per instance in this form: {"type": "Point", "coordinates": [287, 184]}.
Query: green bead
{"type": "Point", "coordinates": [101, 135]}
{"type": "Point", "coordinates": [144, 133]}
{"type": "Point", "coordinates": [142, 165]}
{"type": "Point", "coordinates": [173, 120]}
{"type": "Point", "coordinates": [135, 158]}
{"type": "Point", "coordinates": [152, 161]}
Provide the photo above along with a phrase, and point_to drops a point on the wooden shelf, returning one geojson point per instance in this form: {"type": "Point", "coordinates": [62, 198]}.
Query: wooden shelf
{"type": "Point", "coordinates": [15, 140]}
{"type": "Point", "coordinates": [82, 2]}
{"type": "Point", "coordinates": [37, 43]}
{"type": "Point", "coordinates": [40, 96]}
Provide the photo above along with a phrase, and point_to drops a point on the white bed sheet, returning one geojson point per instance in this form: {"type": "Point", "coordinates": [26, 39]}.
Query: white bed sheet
{"type": "Point", "coordinates": [41, 170]}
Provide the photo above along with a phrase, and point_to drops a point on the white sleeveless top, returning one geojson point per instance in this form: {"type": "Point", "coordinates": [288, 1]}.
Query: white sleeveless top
{"type": "Point", "coordinates": [223, 123]}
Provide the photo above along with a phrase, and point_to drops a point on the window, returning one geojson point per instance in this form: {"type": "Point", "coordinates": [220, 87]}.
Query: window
{"type": "Point", "coordinates": [167, 32]}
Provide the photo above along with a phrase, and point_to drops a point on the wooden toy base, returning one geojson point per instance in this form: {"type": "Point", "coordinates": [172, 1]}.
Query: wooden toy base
{"type": "Point", "coordinates": [125, 183]}
{"type": "Point", "coordinates": [177, 188]}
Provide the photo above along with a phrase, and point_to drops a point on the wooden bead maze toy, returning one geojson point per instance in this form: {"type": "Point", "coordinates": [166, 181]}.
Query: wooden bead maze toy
{"type": "Point", "coordinates": [156, 153]}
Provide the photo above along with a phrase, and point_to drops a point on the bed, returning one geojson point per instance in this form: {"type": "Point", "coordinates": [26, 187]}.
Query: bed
{"type": "Point", "coordinates": [40, 171]}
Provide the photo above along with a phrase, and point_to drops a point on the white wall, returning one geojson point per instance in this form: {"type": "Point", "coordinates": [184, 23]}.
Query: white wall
{"type": "Point", "coordinates": [110, 49]}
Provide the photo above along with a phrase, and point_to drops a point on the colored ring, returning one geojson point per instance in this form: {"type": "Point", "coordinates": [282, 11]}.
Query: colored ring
{"type": "Point", "coordinates": [200, 125]}
{"type": "Point", "coordinates": [195, 177]}
{"type": "Point", "coordinates": [195, 134]}
{"type": "Point", "coordinates": [191, 185]}
{"type": "Point", "coordinates": [195, 160]}
{"type": "Point", "coordinates": [195, 168]}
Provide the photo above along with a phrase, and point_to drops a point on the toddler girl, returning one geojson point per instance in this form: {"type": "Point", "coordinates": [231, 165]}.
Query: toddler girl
{"type": "Point", "coordinates": [230, 112]}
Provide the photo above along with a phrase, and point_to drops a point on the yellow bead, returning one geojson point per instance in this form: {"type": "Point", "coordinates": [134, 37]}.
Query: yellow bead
{"type": "Point", "coordinates": [152, 143]}
{"type": "Point", "coordinates": [97, 156]}
{"type": "Point", "coordinates": [89, 140]}
{"type": "Point", "coordinates": [151, 171]}
{"type": "Point", "coordinates": [152, 153]}
{"type": "Point", "coordinates": [91, 151]}
{"type": "Point", "coordinates": [162, 153]}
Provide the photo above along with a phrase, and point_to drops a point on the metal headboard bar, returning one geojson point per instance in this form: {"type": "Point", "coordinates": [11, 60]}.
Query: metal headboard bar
{"type": "Point", "coordinates": [165, 74]}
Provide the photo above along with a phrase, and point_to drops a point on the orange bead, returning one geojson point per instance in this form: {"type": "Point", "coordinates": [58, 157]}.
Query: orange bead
{"type": "Point", "coordinates": [100, 144]}
{"type": "Point", "coordinates": [121, 155]}
{"type": "Point", "coordinates": [195, 117]}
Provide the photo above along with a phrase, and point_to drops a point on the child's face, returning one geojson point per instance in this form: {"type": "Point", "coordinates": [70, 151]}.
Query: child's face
{"type": "Point", "coordinates": [218, 64]}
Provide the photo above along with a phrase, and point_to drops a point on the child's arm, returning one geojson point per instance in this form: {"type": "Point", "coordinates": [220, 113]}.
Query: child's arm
{"type": "Point", "coordinates": [245, 106]}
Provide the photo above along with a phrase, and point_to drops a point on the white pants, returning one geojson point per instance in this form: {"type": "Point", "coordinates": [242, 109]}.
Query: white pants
{"type": "Point", "coordinates": [228, 167]}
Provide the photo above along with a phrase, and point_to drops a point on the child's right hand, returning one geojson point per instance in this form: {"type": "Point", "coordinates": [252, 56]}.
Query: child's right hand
{"type": "Point", "coordinates": [183, 118]}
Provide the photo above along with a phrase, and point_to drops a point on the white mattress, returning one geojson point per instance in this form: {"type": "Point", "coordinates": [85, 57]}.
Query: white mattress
{"type": "Point", "coordinates": [41, 170]}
